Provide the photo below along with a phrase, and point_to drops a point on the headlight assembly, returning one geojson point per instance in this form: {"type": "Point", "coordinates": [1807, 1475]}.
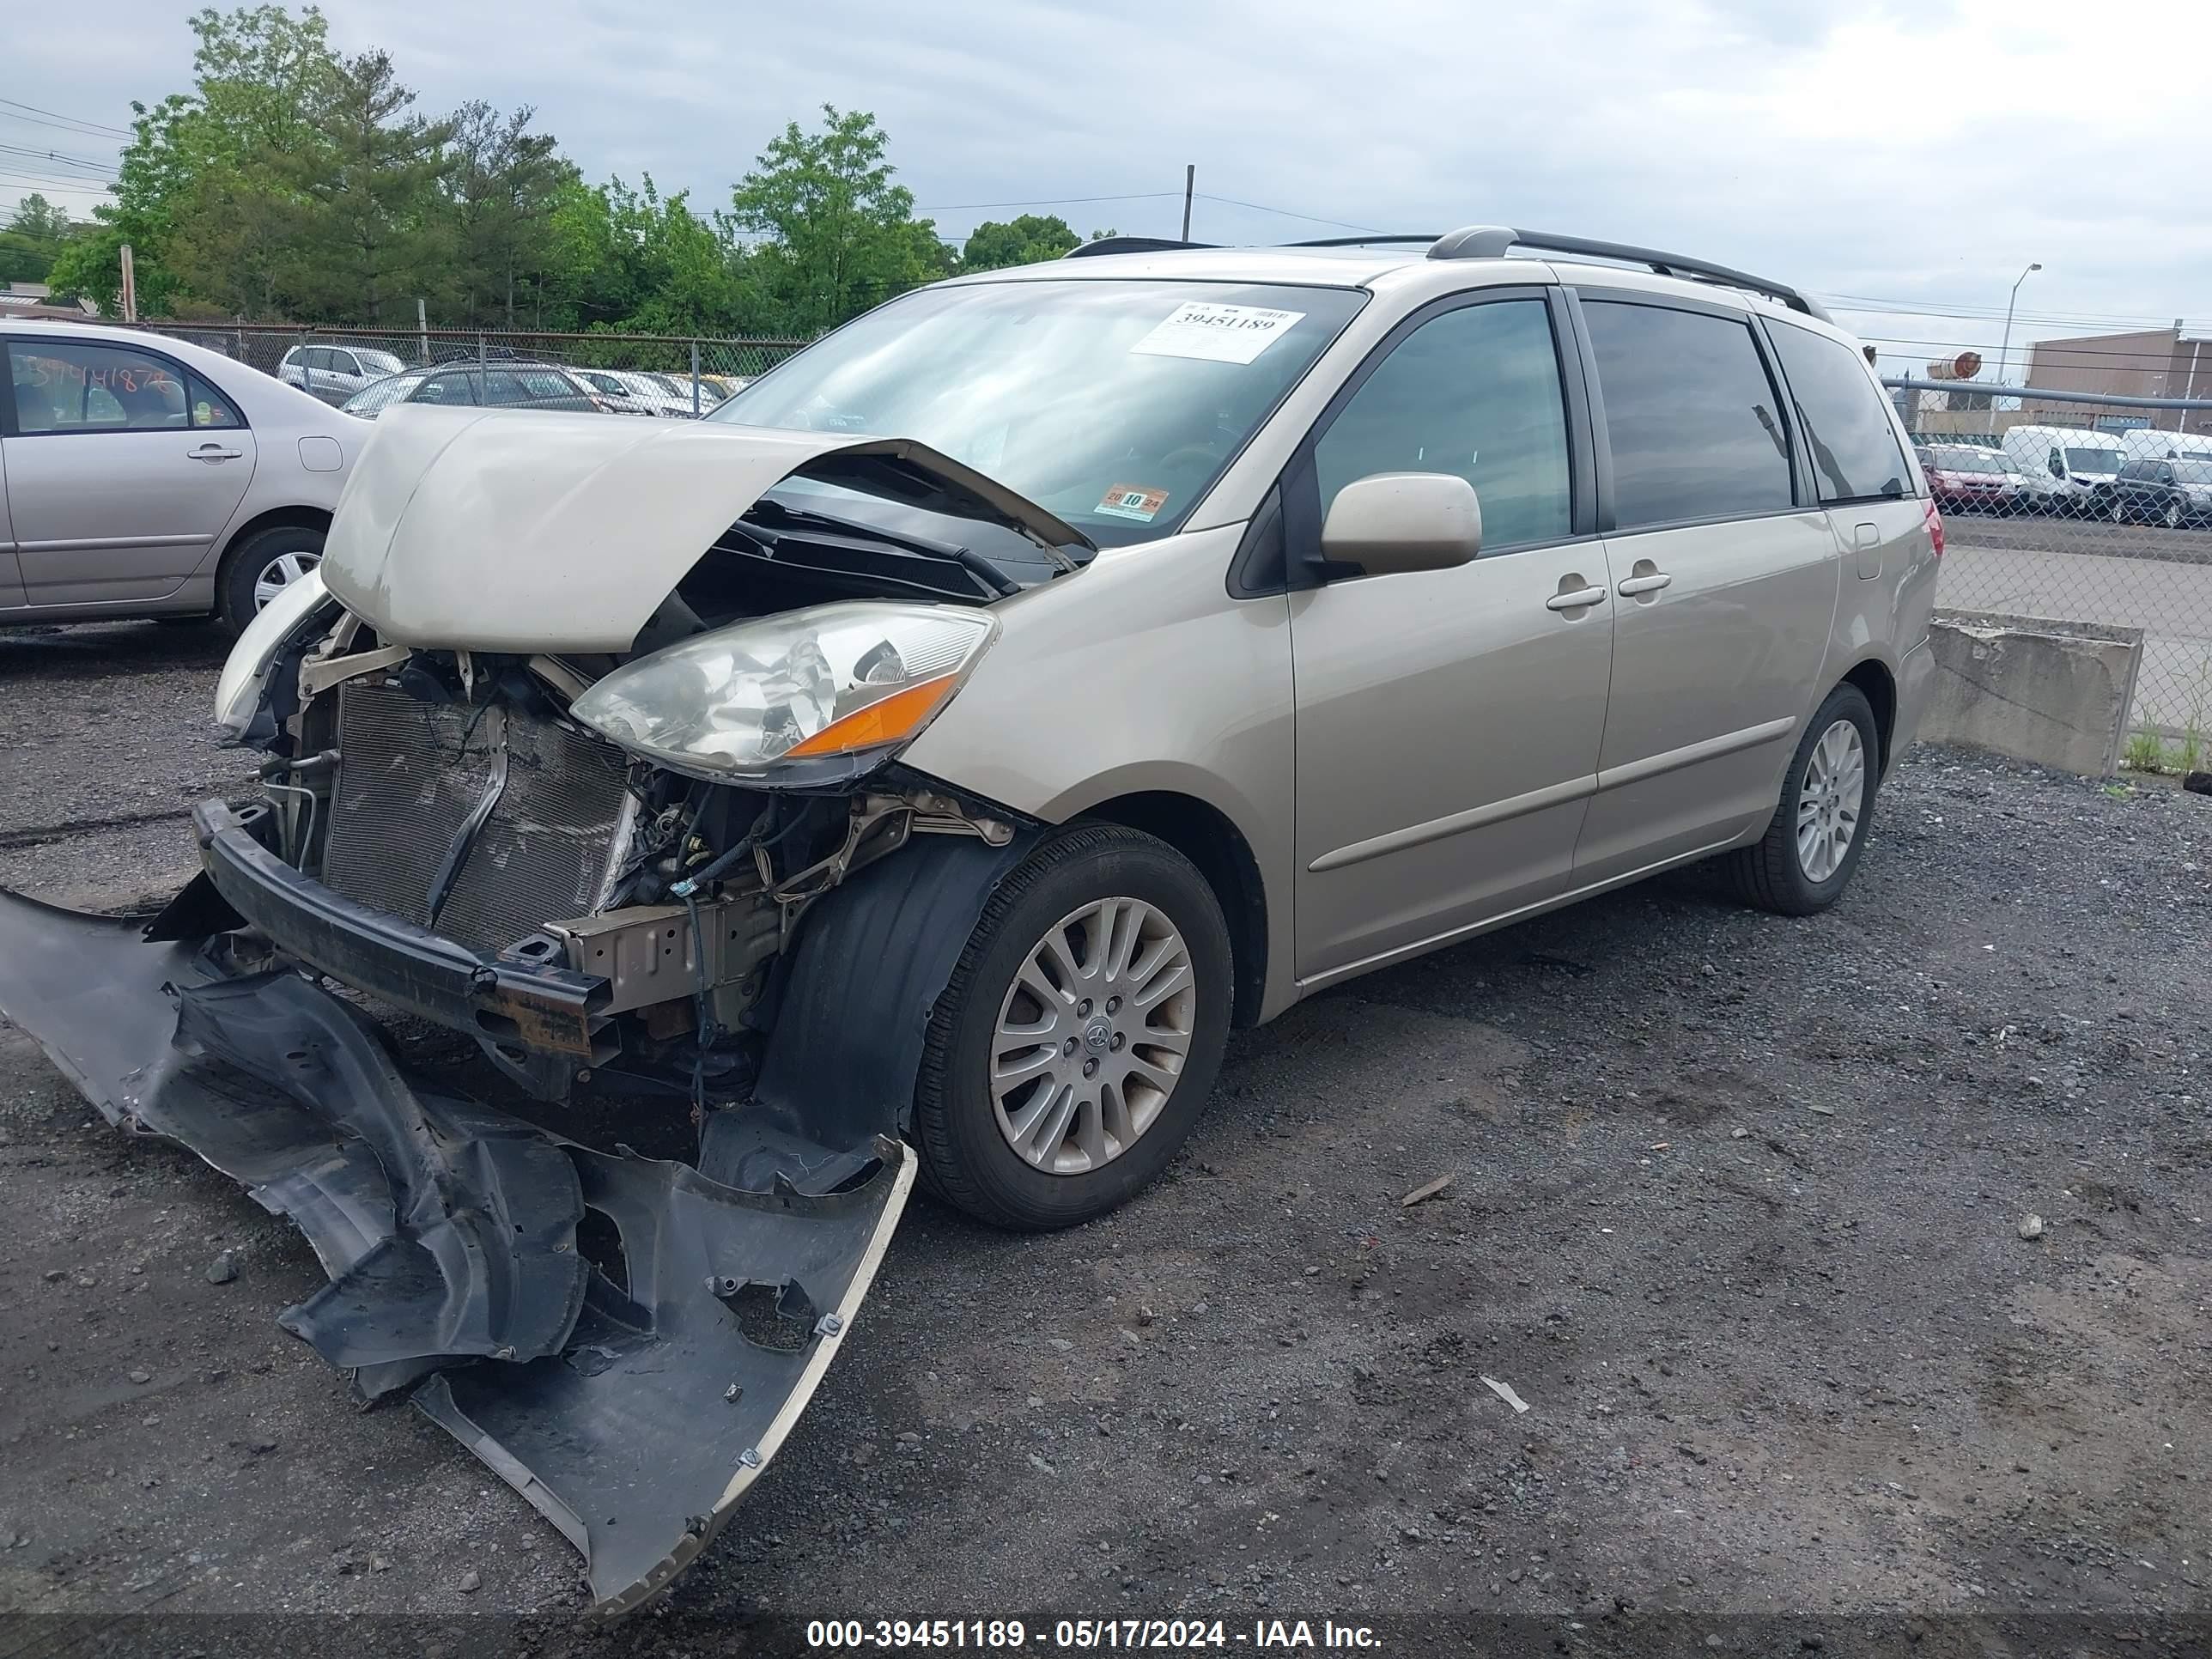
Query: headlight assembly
{"type": "Point", "coordinates": [814, 697]}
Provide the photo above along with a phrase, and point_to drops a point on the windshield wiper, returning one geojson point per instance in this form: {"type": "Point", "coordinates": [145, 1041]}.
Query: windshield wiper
{"type": "Point", "coordinates": [773, 515]}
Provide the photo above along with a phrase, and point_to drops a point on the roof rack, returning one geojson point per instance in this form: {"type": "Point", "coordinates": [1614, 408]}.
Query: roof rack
{"type": "Point", "coordinates": [1132, 244]}
{"type": "Point", "coordinates": [1492, 242]}
{"type": "Point", "coordinates": [1495, 242]}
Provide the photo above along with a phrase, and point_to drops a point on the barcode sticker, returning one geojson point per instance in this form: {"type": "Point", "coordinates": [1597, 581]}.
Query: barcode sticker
{"type": "Point", "coordinates": [1217, 333]}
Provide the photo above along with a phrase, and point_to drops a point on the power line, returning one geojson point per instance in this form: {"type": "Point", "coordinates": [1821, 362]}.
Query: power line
{"type": "Point", "coordinates": [1312, 219]}
{"type": "Point", "coordinates": [60, 159]}
{"type": "Point", "coordinates": [1049, 201]}
{"type": "Point", "coordinates": [54, 117]}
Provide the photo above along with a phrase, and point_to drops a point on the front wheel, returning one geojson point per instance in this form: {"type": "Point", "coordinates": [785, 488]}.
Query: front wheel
{"type": "Point", "coordinates": [1078, 1037]}
{"type": "Point", "coordinates": [2173, 514]}
{"type": "Point", "coordinates": [1805, 860]}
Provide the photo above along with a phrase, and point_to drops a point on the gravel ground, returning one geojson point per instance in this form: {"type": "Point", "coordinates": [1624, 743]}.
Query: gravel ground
{"type": "Point", "coordinates": [1735, 1208]}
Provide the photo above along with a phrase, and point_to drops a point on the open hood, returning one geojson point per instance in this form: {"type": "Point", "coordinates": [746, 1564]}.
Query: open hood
{"type": "Point", "coordinates": [513, 530]}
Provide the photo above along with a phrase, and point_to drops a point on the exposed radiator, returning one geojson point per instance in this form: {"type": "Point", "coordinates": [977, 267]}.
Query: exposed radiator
{"type": "Point", "coordinates": [411, 777]}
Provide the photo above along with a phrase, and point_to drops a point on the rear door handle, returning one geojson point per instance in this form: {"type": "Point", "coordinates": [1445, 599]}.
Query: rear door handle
{"type": "Point", "coordinates": [1651, 583]}
{"type": "Point", "coordinates": [212, 452]}
{"type": "Point", "coordinates": [1576, 598]}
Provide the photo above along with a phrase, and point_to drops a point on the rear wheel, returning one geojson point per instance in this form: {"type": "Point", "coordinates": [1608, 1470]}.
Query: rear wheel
{"type": "Point", "coordinates": [262, 566]}
{"type": "Point", "coordinates": [1078, 1037]}
{"type": "Point", "coordinates": [1805, 860]}
{"type": "Point", "coordinates": [2173, 513]}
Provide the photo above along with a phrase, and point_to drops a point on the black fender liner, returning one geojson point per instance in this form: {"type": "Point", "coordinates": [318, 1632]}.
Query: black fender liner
{"type": "Point", "coordinates": [842, 1058]}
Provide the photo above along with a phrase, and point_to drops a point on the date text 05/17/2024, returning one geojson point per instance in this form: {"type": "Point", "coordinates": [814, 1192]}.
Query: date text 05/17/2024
{"type": "Point", "coordinates": [1086, 1634]}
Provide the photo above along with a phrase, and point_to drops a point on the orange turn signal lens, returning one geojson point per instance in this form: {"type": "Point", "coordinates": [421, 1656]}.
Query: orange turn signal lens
{"type": "Point", "coordinates": [896, 716]}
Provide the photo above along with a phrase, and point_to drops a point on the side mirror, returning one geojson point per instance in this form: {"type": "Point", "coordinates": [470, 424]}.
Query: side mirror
{"type": "Point", "coordinates": [1391, 522]}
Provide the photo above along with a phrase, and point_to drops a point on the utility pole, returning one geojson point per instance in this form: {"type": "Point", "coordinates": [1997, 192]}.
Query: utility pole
{"type": "Point", "coordinates": [1190, 178]}
{"type": "Point", "coordinates": [2004, 351]}
{"type": "Point", "coordinates": [130, 283]}
{"type": "Point", "coordinates": [422, 333]}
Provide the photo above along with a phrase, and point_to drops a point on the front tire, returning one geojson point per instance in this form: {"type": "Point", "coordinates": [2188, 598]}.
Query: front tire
{"type": "Point", "coordinates": [1074, 1048]}
{"type": "Point", "coordinates": [262, 566]}
{"type": "Point", "coordinates": [1804, 861]}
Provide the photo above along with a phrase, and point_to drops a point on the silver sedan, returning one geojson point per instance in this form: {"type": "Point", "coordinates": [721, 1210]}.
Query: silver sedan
{"type": "Point", "coordinates": [146, 477]}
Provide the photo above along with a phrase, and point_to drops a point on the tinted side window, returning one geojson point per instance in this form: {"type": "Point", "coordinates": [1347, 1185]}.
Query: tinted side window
{"type": "Point", "coordinates": [1476, 393]}
{"type": "Point", "coordinates": [83, 388]}
{"type": "Point", "coordinates": [1693, 419]}
{"type": "Point", "coordinates": [1845, 420]}
{"type": "Point", "coordinates": [445, 389]}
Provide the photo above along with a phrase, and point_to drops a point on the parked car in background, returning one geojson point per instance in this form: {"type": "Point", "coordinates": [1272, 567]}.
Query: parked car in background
{"type": "Point", "coordinates": [2172, 493]}
{"type": "Point", "coordinates": [505, 385]}
{"type": "Point", "coordinates": [334, 373]}
{"type": "Point", "coordinates": [147, 477]}
{"type": "Point", "coordinates": [630, 393]}
{"type": "Point", "coordinates": [1967, 478]}
{"type": "Point", "coordinates": [720, 387]}
{"type": "Point", "coordinates": [2060, 466]}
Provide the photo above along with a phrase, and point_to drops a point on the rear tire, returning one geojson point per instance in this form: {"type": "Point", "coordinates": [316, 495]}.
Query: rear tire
{"type": "Point", "coordinates": [1090, 1131]}
{"type": "Point", "coordinates": [261, 565]}
{"type": "Point", "coordinates": [1796, 867]}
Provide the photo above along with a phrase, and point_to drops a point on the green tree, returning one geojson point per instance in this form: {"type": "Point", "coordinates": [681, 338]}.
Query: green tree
{"type": "Point", "coordinates": [503, 184]}
{"type": "Point", "coordinates": [1023, 242]}
{"type": "Point", "coordinates": [841, 235]}
{"type": "Point", "coordinates": [372, 237]}
{"type": "Point", "coordinates": [258, 75]}
{"type": "Point", "coordinates": [33, 239]}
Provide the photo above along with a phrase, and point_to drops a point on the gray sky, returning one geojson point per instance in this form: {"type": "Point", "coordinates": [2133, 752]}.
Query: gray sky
{"type": "Point", "coordinates": [1914, 152]}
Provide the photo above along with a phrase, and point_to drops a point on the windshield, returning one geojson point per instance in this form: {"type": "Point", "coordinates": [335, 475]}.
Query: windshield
{"type": "Point", "coordinates": [1113, 404]}
{"type": "Point", "coordinates": [379, 362]}
{"type": "Point", "coordinates": [371, 399]}
{"type": "Point", "coordinates": [1969, 460]}
{"type": "Point", "coordinates": [2093, 460]}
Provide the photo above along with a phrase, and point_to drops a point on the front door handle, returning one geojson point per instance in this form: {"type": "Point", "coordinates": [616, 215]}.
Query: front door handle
{"type": "Point", "coordinates": [1651, 582]}
{"type": "Point", "coordinates": [211, 452]}
{"type": "Point", "coordinates": [1574, 598]}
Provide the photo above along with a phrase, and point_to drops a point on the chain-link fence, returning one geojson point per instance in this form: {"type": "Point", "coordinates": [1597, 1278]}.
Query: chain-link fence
{"type": "Point", "coordinates": [657, 374]}
{"type": "Point", "coordinates": [2082, 506]}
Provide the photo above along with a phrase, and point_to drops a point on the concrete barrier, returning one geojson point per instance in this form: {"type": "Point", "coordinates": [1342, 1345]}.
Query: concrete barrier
{"type": "Point", "coordinates": [2056, 693]}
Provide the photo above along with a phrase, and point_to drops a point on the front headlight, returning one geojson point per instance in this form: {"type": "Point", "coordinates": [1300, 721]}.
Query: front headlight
{"type": "Point", "coordinates": [818, 695]}
{"type": "Point", "coordinates": [245, 677]}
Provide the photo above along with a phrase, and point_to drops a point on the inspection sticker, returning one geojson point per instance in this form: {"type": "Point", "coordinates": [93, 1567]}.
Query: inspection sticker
{"type": "Point", "coordinates": [1130, 502]}
{"type": "Point", "coordinates": [1218, 333]}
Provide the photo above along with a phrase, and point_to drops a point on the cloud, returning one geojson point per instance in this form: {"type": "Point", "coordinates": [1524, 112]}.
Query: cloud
{"type": "Point", "coordinates": [1924, 151]}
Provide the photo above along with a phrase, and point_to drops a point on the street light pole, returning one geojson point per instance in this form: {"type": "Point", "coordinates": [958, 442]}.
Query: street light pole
{"type": "Point", "coordinates": [2004, 351]}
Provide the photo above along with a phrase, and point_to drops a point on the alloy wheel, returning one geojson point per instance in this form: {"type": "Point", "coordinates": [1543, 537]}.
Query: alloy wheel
{"type": "Point", "coordinates": [280, 573]}
{"type": "Point", "coordinates": [1092, 1036]}
{"type": "Point", "coordinates": [1829, 801]}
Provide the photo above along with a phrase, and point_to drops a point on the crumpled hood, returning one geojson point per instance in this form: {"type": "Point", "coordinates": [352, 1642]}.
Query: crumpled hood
{"type": "Point", "coordinates": [522, 529]}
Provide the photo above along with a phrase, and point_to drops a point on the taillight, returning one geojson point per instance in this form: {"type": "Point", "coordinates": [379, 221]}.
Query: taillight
{"type": "Point", "coordinates": [1935, 528]}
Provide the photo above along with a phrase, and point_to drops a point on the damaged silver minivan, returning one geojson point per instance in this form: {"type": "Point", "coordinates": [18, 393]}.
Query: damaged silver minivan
{"type": "Point", "coordinates": [920, 766]}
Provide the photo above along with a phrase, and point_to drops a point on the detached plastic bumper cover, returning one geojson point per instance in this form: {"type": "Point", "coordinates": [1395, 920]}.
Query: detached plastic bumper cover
{"type": "Point", "coordinates": [632, 1413]}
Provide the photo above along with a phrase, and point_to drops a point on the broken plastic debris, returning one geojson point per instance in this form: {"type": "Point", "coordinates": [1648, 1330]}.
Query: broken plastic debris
{"type": "Point", "coordinates": [1505, 1391]}
{"type": "Point", "coordinates": [1426, 1190]}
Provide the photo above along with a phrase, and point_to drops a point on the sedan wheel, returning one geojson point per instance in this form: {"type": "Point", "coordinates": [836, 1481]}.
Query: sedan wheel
{"type": "Point", "coordinates": [2119, 510]}
{"type": "Point", "coordinates": [281, 572]}
{"type": "Point", "coordinates": [2174, 515]}
{"type": "Point", "coordinates": [1092, 1036]}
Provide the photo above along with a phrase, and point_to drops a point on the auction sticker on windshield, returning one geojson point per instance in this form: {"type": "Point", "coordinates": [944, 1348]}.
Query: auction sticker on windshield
{"type": "Point", "coordinates": [1218, 333]}
{"type": "Point", "coordinates": [1133, 502]}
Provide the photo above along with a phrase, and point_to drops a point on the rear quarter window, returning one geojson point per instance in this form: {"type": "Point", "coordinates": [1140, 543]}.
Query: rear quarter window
{"type": "Point", "coordinates": [1845, 419]}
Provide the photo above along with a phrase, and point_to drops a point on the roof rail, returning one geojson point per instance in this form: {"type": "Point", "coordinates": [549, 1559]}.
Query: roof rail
{"type": "Point", "coordinates": [1492, 241]}
{"type": "Point", "coordinates": [1132, 244]}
